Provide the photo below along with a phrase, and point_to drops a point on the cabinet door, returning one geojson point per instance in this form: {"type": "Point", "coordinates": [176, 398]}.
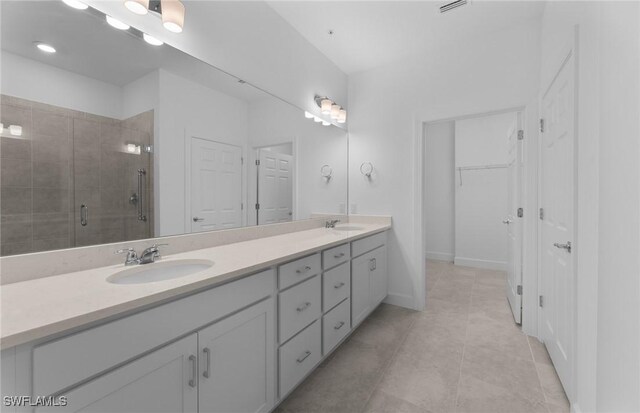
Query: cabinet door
{"type": "Point", "coordinates": [237, 357]}
{"type": "Point", "coordinates": [360, 288]}
{"type": "Point", "coordinates": [162, 381]}
{"type": "Point", "coordinates": [379, 276]}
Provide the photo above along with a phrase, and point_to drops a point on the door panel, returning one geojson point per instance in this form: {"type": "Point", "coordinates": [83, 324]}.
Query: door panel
{"type": "Point", "coordinates": [275, 187]}
{"type": "Point", "coordinates": [238, 356]}
{"type": "Point", "coordinates": [513, 222]}
{"type": "Point", "coordinates": [379, 286]}
{"type": "Point", "coordinates": [216, 185]}
{"type": "Point", "coordinates": [158, 382]}
{"type": "Point", "coordinates": [557, 227]}
{"type": "Point", "coordinates": [360, 285]}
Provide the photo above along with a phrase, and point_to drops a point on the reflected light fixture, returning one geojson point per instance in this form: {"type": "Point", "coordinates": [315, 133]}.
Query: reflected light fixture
{"type": "Point", "coordinates": [140, 7]}
{"type": "Point", "coordinates": [325, 106]}
{"type": "Point", "coordinates": [133, 148]}
{"type": "Point", "coordinates": [152, 40]}
{"type": "Point", "coordinates": [172, 15]}
{"type": "Point", "coordinates": [335, 111]}
{"type": "Point", "coordinates": [317, 119]}
{"type": "Point", "coordinates": [15, 130]}
{"type": "Point", "coordinates": [76, 4]}
{"type": "Point", "coordinates": [325, 123]}
{"type": "Point", "coordinates": [308, 115]}
{"type": "Point", "coordinates": [47, 48]}
{"type": "Point", "coordinates": [117, 24]}
{"type": "Point", "coordinates": [342, 116]}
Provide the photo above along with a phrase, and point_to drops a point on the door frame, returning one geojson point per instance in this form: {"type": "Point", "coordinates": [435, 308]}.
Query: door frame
{"type": "Point", "coordinates": [565, 52]}
{"type": "Point", "coordinates": [187, 178]}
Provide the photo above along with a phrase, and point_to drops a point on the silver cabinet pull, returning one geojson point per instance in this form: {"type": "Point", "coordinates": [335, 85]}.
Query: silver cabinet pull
{"type": "Point", "coordinates": [84, 215]}
{"type": "Point", "coordinates": [207, 358]}
{"type": "Point", "coordinates": [304, 269]}
{"type": "Point", "coordinates": [141, 183]}
{"type": "Point", "coordinates": [507, 221]}
{"type": "Point", "coordinates": [372, 264]}
{"type": "Point", "coordinates": [339, 325]}
{"type": "Point", "coordinates": [194, 369]}
{"type": "Point", "coordinates": [566, 246]}
{"type": "Point", "coordinates": [340, 285]}
{"type": "Point", "coordinates": [338, 256]}
{"type": "Point", "coordinates": [197, 219]}
{"type": "Point", "coordinates": [303, 307]}
{"type": "Point", "coordinates": [303, 358]}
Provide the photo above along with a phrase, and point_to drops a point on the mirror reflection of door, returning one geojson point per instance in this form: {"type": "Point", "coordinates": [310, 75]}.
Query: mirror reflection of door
{"type": "Point", "coordinates": [216, 185]}
{"type": "Point", "coordinates": [275, 186]}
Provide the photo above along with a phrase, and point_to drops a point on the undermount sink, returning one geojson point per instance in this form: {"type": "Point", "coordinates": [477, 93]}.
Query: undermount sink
{"type": "Point", "coordinates": [348, 228]}
{"type": "Point", "coordinates": [159, 271]}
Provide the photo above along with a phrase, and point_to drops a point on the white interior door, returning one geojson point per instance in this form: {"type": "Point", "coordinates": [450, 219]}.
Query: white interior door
{"type": "Point", "coordinates": [514, 222]}
{"type": "Point", "coordinates": [216, 185]}
{"type": "Point", "coordinates": [275, 187]}
{"type": "Point", "coordinates": [557, 224]}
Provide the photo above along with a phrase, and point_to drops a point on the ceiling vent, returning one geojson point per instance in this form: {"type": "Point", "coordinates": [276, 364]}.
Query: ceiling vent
{"type": "Point", "coordinates": [453, 5]}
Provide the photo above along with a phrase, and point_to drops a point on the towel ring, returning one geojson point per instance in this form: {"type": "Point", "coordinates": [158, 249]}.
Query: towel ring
{"type": "Point", "coordinates": [366, 169]}
{"type": "Point", "coordinates": [326, 171]}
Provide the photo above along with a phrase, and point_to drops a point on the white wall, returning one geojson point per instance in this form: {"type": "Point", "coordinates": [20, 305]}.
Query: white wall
{"type": "Point", "coordinates": [439, 190]}
{"type": "Point", "coordinates": [251, 41]}
{"type": "Point", "coordinates": [273, 122]}
{"type": "Point", "coordinates": [32, 80]}
{"type": "Point", "coordinates": [387, 108]}
{"type": "Point", "coordinates": [188, 109]}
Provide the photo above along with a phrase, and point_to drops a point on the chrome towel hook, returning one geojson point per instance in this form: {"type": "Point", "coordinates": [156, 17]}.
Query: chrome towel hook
{"type": "Point", "coordinates": [366, 169]}
{"type": "Point", "coordinates": [326, 171]}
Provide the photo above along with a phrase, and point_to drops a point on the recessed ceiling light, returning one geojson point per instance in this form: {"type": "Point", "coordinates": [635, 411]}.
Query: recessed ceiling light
{"type": "Point", "coordinates": [140, 7]}
{"type": "Point", "coordinates": [47, 48]}
{"type": "Point", "coordinates": [76, 4]}
{"type": "Point", "coordinates": [115, 23]}
{"type": "Point", "coordinates": [152, 40]}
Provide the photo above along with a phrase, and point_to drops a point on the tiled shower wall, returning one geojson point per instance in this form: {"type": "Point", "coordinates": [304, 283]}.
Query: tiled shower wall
{"type": "Point", "coordinates": [67, 158]}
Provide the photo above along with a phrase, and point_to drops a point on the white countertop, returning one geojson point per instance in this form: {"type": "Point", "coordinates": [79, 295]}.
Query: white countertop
{"type": "Point", "coordinates": [35, 309]}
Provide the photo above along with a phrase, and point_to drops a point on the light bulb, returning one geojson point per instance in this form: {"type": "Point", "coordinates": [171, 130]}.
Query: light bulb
{"type": "Point", "coordinates": [140, 7]}
{"type": "Point", "coordinates": [76, 4]}
{"type": "Point", "coordinates": [47, 48]}
{"type": "Point", "coordinates": [117, 24]}
{"type": "Point", "coordinates": [15, 130]}
{"type": "Point", "coordinates": [342, 116]}
{"type": "Point", "coordinates": [308, 115]}
{"type": "Point", "coordinates": [335, 111]}
{"type": "Point", "coordinates": [325, 106]}
{"type": "Point", "coordinates": [152, 40]}
{"type": "Point", "coordinates": [325, 123]}
{"type": "Point", "coordinates": [317, 119]}
{"type": "Point", "coordinates": [172, 15]}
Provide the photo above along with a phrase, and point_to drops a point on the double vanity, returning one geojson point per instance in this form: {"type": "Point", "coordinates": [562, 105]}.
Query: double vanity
{"type": "Point", "coordinates": [231, 328]}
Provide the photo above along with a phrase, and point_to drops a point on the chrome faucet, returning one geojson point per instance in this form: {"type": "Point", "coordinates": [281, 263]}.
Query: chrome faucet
{"type": "Point", "coordinates": [331, 223]}
{"type": "Point", "coordinates": [148, 256]}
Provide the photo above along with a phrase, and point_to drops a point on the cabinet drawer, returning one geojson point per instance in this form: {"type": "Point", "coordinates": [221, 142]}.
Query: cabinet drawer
{"type": "Point", "coordinates": [335, 256]}
{"type": "Point", "coordinates": [299, 356]}
{"type": "Point", "coordinates": [298, 270]}
{"type": "Point", "coordinates": [336, 286]}
{"type": "Point", "coordinates": [299, 306]}
{"type": "Point", "coordinates": [336, 325]}
{"type": "Point", "coordinates": [361, 246]}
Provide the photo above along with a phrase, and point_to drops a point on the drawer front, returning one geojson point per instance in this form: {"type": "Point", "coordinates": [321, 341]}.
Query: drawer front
{"type": "Point", "coordinates": [336, 286]}
{"type": "Point", "coordinates": [336, 324]}
{"type": "Point", "coordinates": [299, 356]}
{"type": "Point", "coordinates": [298, 307]}
{"type": "Point", "coordinates": [63, 362]}
{"type": "Point", "coordinates": [298, 270]}
{"type": "Point", "coordinates": [335, 256]}
{"type": "Point", "coordinates": [361, 246]}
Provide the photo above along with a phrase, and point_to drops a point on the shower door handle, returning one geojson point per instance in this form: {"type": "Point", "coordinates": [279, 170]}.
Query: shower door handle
{"type": "Point", "coordinates": [141, 181]}
{"type": "Point", "coordinates": [84, 215]}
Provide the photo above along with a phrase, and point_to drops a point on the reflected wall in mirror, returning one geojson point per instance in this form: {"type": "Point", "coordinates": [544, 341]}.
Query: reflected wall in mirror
{"type": "Point", "coordinates": [122, 140]}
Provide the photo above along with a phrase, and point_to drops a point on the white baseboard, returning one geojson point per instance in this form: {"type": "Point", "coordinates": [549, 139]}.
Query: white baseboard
{"type": "Point", "coordinates": [439, 256]}
{"type": "Point", "coordinates": [401, 300]}
{"type": "Point", "coordinates": [486, 264]}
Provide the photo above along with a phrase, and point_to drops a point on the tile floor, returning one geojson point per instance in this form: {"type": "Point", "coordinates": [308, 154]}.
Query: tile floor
{"type": "Point", "coordinates": [463, 354]}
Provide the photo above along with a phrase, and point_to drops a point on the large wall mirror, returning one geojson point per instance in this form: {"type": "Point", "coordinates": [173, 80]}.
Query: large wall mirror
{"type": "Point", "coordinates": [112, 139]}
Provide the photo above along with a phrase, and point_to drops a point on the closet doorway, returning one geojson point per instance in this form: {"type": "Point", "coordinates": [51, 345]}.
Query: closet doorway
{"type": "Point", "coordinates": [473, 196]}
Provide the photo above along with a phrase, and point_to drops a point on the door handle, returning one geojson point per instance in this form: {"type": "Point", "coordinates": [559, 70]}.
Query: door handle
{"type": "Point", "coordinates": [207, 358]}
{"type": "Point", "coordinates": [507, 221]}
{"type": "Point", "coordinates": [566, 246]}
{"type": "Point", "coordinates": [197, 219]}
{"type": "Point", "coordinates": [84, 215]}
{"type": "Point", "coordinates": [194, 368]}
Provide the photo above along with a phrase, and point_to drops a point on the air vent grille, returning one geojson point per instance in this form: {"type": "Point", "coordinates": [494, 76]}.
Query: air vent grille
{"type": "Point", "coordinates": [452, 5]}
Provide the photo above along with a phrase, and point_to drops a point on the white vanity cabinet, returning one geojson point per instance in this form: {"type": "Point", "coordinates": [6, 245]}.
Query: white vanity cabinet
{"type": "Point", "coordinates": [369, 277]}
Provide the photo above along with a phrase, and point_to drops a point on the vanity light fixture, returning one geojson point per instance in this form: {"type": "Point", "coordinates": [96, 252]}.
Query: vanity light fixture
{"type": "Point", "coordinates": [317, 119]}
{"type": "Point", "coordinates": [133, 148]}
{"type": "Point", "coordinates": [308, 115]}
{"type": "Point", "coordinates": [325, 123]}
{"type": "Point", "coordinates": [172, 15]}
{"type": "Point", "coordinates": [331, 108]}
{"type": "Point", "coordinates": [325, 106]}
{"type": "Point", "coordinates": [140, 7]}
{"type": "Point", "coordinates": [342, 116]}
{"type": "Point", "coordinates": [76, 4]}
{"type": "Point", "coordinates": [47, 48]}
{"type": "Point", "coordinates": [152, 40]}
{"type": "Point", "coordinates": [117, 24]}
{"type": "Point", "coordinates": [335, 111]}
{"type": "Point", "coordinates": [15, 130]}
